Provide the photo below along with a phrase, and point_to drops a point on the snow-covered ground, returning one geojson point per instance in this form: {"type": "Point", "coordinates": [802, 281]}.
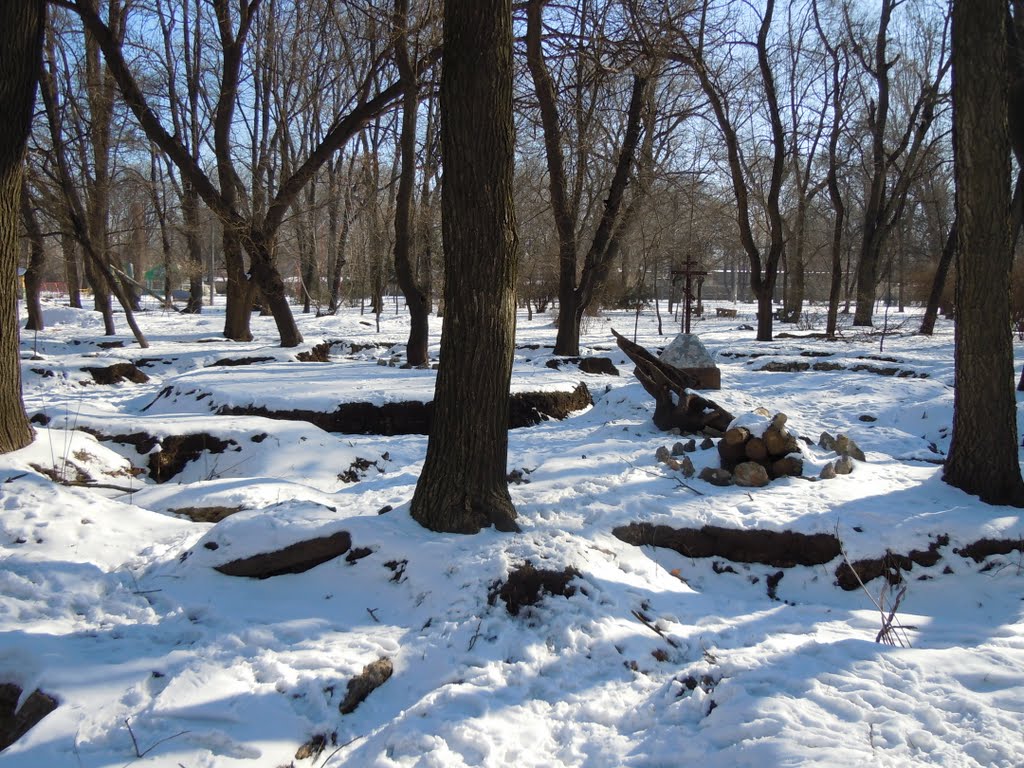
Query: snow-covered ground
{"type": "Point", "coordinates": [109, 601]}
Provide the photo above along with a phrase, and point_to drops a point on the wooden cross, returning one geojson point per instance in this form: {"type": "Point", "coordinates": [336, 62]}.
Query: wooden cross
{"type": "Point", "coordinates": [690, 270]}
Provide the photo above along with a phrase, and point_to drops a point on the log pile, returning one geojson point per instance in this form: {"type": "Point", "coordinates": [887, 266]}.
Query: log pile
{"type": "Point", "coordinates": [772, 450]}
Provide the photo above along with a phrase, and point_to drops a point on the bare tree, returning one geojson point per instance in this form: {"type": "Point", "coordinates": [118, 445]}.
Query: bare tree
{"type": "Point", "coordinates": [254, 230]}
{"type": "Point", "coordinates": [182, 61]}
{"type": "Point", "coordinates": [836, 90]}
{"type": "Point", "coordinates": [87, 223]}
{"type": "Point", "coordinates": [575, 295]}
{"type": "Point", "coordinates": [694, 39]}
{"type": "Point", "coordinates": [893, 163]}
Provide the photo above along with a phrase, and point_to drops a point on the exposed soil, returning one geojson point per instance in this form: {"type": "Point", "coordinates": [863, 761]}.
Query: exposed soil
{"type": "Point", "coordinates": [983, 548]}
{"type": "Point", "coordinates": [233, 361]}
{"type": "Point", "coordinates": [529, 408]}
{"type": "Point", "coordinates": [116, 373]}
{"type": "Point", "coordinates": [143, 442]}
{"type": "Point", "coordinates": [787, 549]}
{"type": "Point", "coordinates": [373, 676]}
{"type": "Point", "coordinates": [178, 450]}
{"type": "Point", "coordinates": [891, 565]}
{"type": "Point", "coordinates": [321, 353]}
{"type": "Point", "coordinates": [295, 558]}
{"type": "Point", "coordinates": [413, 418]}
{"type": "Point", "coordinates": [527, 585]}
{"type": "Point", "coordinates": [15, 722]}
{"type": "Point", "coordinates": [797, 366]}
{"type": "Point", "coordinates": [357, 470]}
{"type": "Point", "coordinates": [783, 549]}
{"type": "Point", "coordinates": [205, 514]}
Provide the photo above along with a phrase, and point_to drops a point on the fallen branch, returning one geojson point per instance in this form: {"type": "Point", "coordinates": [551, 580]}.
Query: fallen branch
{"type": "Point", "coordinates": [674, 406]}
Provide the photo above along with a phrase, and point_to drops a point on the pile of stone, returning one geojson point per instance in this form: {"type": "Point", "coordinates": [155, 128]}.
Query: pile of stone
{"type": "Point", "coordinates": [754, 460]}
{"type": "Point", "coordinates": [752, 457]}
{"type": "Point", "coordinates": [847, 451]}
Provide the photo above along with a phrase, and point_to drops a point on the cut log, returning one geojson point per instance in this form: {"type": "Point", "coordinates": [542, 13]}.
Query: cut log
{"type": "Point", "coordinates": [780, 442]}
{"type": "Point", "coordinates": [737, 436]}
{"type": "Point", "coordinates": [755, 449]}
{"type": "Point", "coordinates": [674, 406]}
{"type": "Point", "coordinates": [731, 454]}
{"type": "Point", "coordinates": [788, 466]}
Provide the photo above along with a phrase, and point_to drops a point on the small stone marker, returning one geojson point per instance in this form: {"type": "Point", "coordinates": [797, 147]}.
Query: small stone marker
{"type": "Point", "coordinates": [688, 354]}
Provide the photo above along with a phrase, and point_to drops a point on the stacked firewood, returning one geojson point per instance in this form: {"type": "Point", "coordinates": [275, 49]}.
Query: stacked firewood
{"type": "Point", "coordinates": [774, 449]}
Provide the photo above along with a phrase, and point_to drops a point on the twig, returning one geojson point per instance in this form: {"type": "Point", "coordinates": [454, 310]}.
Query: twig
{"type": "Point", "coordinates": [373, 614]}
{"type": "Point", "coordinates": [476, 636]}
{"type": "Point", "coordinates": [887, 629]}
{"type": "Point", "coordinates": [886, 633]}
{"type": "Point", "coordinates": [340, 747]}
{"type": "Point", "coordinates": [669, 477]}
{"type": "Point", "coordinates": [139, 755]}
{"type": "Point", "coordinates": [657, 630]}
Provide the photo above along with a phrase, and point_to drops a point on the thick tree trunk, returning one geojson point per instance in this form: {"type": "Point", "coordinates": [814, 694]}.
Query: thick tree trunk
{"type": "Point", "coordinates": [983, 453]}
{"type": "Point", "coordinates": [21, 40]}
{"type": "Point", "coordinates": [464, 486]}
{"type": "Point", "coordinates": [69, 248]}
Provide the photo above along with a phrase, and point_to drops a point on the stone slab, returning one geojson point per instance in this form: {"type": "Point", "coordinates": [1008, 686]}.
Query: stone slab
{"type": "Point", "coordinates": [688, 353]}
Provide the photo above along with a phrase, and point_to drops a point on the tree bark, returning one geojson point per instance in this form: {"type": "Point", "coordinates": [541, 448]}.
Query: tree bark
{"type": "Point", "coordinates": [983, 453]}
{"type": "Point", "coordinates": [21, 40]}
{"type": "Point", "coordinates": [464, 486]}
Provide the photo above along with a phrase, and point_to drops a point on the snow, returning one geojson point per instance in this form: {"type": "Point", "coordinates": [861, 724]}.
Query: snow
{"type": "Point", "coordinates": [109, 601]}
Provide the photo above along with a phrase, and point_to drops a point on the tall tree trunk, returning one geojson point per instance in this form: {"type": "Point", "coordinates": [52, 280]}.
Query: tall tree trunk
{"type": "Point", "coordinates": [239, 291]}
{"type": "Point", "coordinates": [138, 242]}
{"type": "Point", "coordinates": [21, 40]}
{"type": "Point", "coordinates": [339, 237]}
{"type": "Point", "coordinates": [463, 486]}
{"type": "Point", "coordinates": [36, 262]}
{"type": "Point", "coordinates": [69, 249]}
{"type": "Point", "coordinates": [415, 296]}
{"type": "Point", "coordinates": [931, 310]}
{"type": "Point", "coordinates": [193, 247]}
{"type": "Point", "coordinates": [983, 452]}
{"type": "Point", "coordinates": [97, 268]}
{"type": "Point", "coordinates": [100, 91]}
{"type": "Point", "coordinates": [574, 297]}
